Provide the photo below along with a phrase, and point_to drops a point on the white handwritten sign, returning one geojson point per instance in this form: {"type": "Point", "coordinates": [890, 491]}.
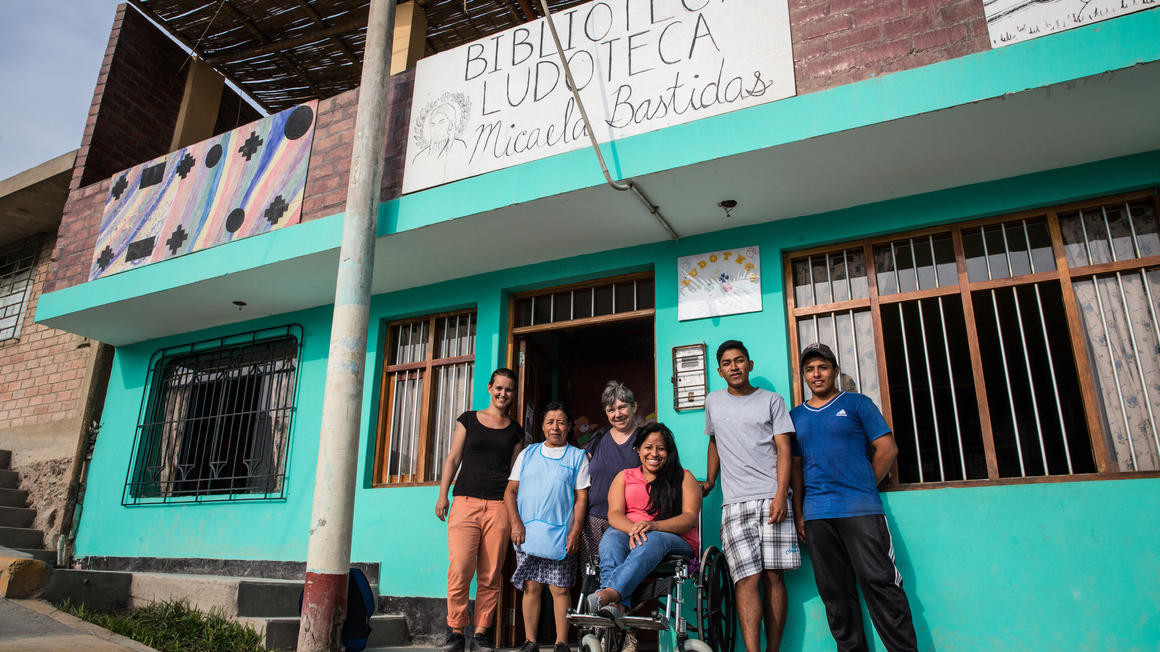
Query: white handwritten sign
{"type": "Point", "coordinates": [1012, 21]}
{"type": "Point", "coordinates": [639, 65]}
{"type": "Point", "coordinates": [726, 282]}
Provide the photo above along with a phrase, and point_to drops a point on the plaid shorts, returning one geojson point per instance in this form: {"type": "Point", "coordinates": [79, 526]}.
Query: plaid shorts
{"type": "Point", "coordinates": [753, 544]}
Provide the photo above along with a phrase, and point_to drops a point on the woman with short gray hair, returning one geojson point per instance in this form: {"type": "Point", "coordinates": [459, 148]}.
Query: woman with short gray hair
{"type": "Point", "coordinates": [610, 451]}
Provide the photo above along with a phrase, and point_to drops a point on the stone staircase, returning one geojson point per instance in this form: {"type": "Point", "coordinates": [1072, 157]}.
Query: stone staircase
{"type": "Point", "coordinates": [16, 519]}
{"type": "Point", "coordinates": [270, 606]}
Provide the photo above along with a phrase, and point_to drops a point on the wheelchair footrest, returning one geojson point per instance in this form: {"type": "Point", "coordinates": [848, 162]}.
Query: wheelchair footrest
{"type": "Point", "coordinates": [589, 620]}
{"type": "Point", "coordinates": [645, 622]}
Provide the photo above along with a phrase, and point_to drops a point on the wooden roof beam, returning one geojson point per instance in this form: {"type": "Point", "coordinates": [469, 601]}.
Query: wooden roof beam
{"type": "Point", "coordinates": [529, 15]}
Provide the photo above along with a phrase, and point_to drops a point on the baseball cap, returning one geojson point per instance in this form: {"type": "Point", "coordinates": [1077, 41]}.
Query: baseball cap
{"type": "Point", "coordinates": [819, 349]}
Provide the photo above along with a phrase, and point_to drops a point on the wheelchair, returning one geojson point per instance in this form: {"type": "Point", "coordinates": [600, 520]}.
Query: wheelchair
{"type": "Point", "coordinates": [657, 605]}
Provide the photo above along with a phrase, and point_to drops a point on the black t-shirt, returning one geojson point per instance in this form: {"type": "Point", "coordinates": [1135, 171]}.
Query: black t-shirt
{"type": "Point", "coordinates": [487, 458]}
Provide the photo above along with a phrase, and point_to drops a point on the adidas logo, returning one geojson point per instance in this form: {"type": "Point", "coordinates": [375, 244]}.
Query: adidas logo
{"type": "Point", "coordinates": [842, 413]}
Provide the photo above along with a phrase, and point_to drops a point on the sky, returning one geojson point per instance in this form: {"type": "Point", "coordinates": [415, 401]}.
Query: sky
{"type": "Point", "coordinates": [50, 54]}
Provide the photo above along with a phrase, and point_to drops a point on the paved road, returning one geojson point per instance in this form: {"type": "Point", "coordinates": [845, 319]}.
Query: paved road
{"type": "Point", "coordinates": [30, 625]}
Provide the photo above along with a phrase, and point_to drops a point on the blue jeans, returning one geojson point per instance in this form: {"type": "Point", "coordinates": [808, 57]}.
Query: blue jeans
{"type": "Point", "coordinates": [623, 570]}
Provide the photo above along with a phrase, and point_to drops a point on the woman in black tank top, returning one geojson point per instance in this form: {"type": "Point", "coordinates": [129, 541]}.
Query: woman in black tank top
{"type": "Point", "coordinates": [483, 447]}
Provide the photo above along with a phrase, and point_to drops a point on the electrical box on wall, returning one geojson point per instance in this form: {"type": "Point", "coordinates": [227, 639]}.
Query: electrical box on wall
{"type": "Point", "coordinates": [689, 380]}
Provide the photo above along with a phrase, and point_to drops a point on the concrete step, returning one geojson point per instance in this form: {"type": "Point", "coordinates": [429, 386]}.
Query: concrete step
{"type": "Point", "coordinates": [13, 497]}
{"type": "Point", "coordinates": [45, 555]}
{"type": "Point", "coordinates": [268, 598]}
{"type": "Point", "coordinates": [245, 597]}
{"type": "Point", "coordinates": [387, 630]}
{"type": "Point", "coordinates": [9, 479]}
{"type": "Point", "coordinates": [16, 516]}
{"type": "Point", "coordinates": [95, 590]}
{"type": "Point", "coordinates": [21, 537]}
{"type": "Point", "coordinates": [5, 459]}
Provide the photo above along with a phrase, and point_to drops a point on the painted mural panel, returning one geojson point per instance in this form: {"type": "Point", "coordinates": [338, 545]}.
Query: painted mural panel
{"type": "Point", "coordinates": [235, 185]}
{"type": "Point", "coordinates": [639, 66]}
{"type": "Point", "coordinates": [1012, 21]}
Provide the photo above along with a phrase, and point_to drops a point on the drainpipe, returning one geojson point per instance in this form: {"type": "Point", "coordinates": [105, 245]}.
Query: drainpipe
{"type": "Point", "coordinates": [627, 184]}
{"type": "Point", "coordinates": [328, 555]}
{"type": "Point", "coordinates": [98, 369]}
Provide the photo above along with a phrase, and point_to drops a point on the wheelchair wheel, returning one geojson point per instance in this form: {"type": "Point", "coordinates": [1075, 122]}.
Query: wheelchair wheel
{"type": "Point", "coordinates": [716, 619]}
{"type": "Point", "coordinates": [590, 644]}
{"type": "Point", "coordinates": [609, 639]}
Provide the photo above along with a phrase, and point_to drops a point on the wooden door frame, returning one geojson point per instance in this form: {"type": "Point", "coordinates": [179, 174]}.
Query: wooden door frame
{"type": "Point", "coordinates": [503, 625]}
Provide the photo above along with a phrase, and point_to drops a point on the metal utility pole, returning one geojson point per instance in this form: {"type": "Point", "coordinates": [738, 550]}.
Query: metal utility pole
{"type": "Point", "coordinates": [328, 557]}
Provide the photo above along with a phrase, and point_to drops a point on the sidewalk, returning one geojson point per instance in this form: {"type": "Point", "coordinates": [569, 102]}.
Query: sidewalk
{"type": "Point", "coordinates": [32, 625]}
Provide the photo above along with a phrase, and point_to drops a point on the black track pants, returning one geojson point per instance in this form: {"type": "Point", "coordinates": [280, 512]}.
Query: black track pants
{"type": "Point", "coordinates": [859, 547]}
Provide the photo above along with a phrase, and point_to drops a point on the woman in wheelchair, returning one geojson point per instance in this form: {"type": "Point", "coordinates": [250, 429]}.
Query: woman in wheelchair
{"type": "Point", "coordinates": [653, 510]}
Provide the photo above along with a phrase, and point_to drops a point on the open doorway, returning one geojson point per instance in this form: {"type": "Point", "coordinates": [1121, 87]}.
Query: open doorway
{"type": "Point", "coordinates": [565, 344]}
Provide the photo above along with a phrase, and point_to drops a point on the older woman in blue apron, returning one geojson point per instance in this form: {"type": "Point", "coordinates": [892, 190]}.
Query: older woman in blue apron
{"type": "Point", "coordinates": [546, 499]}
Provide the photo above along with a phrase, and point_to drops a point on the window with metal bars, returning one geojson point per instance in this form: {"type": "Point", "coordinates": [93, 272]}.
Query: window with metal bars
{"type": "Point", "coordinates": [1024, 346]}
{"type": "Point", "coordinates": [590, 301]}
{"type": "Point", "coordinates": [17, 268]}
{"type": "Point", "coordinates": [215, 420]}
{"type": "Point", "coordinates": [426, 385]}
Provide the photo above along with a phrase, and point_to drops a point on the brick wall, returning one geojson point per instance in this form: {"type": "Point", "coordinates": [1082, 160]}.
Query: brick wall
{"type": "Point", "coordinates": [135, 102]}
{"type": "Point", "coordinates": [46, 377]}
{"type": "Point", "coordinates": [837, 42]}
{"type": "Point", "coordinates": [329, 171]}
{"type": "Point", "coordinates": [42, 373]}
{"type": "Point", "coordinates": [77, 236]}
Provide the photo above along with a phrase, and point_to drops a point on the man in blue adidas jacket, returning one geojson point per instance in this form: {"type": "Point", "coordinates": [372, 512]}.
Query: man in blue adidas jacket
{"type": "Point", "coordinates": [842, 450]}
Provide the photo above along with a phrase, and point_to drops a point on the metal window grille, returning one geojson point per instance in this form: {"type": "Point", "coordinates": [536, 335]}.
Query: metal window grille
{"type": "Point", "coordinates": [427, 382]}
{"type": "Point", "coordinates": [17, 269]}
{"type": "Point", "coordinates": [1012, 347]}
{"type": "Point", "coordinates": [621, 296]}
{"type": "Point", "coordinates": [215, 421]}
{"type": "Point", "coordinates": [1113, 251]}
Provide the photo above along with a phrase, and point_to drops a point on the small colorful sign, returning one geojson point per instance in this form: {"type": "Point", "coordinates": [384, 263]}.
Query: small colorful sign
{"type": "Point", "coordinates": [726, 282]}
{"type": "Point", "coordinates": [241, 183]}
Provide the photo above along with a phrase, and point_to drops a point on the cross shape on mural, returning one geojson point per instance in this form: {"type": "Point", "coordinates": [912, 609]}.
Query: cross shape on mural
{"type": "Point", "coordinates": [119, 187]}
{"type": "Point", "coordinates": [250, 146]}
{"type": "Point", "coordinates": [176, 239]}
{"type": "Point", "coordinates": [106, 258]}
{"type": "Point", "coordinates": [276, 210]}
{"type": "Point", "coordinates": [185, 166]}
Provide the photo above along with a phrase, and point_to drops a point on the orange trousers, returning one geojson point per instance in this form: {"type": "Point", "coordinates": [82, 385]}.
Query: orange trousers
{"type": "Point", "coordinates": [477, 539]}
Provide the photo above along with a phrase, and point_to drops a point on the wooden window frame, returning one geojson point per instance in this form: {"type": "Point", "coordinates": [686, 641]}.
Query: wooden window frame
{"type": "Point", "coordinates": [387, 396]}
{"type": "Point", "coordinates": [1106, 467]}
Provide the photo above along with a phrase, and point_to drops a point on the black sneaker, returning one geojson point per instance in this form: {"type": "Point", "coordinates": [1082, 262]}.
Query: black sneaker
{"type": "Point", "coordinates": [479, 643]}
{"type": "Point", "coordinates": [561, 647]}
{"type": "Point", "coordinates": [453, 643]}
{"type": "Point", "coordinates": [529, 646]}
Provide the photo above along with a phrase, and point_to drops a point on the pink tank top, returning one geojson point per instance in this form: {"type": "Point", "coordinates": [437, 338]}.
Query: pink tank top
{"type": "Point", "coordinates": [636, 506]}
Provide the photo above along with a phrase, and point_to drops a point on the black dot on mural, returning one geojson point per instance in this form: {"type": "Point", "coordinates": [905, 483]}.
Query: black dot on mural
{"type": "Point", "coordinates": [234, 220]}
{"type": "Point", "coordinates": [298, 123]}
{"type": "Point", "coordinates": [213, 155]}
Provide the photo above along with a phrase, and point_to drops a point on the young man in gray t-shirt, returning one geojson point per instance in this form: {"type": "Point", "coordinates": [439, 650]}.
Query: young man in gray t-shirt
{"type": "Point", "coordinates": [749, 433]}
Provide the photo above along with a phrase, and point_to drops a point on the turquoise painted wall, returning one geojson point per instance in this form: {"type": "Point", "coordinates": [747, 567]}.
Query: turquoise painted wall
{"type": "Point", "coordinates": [1053, 566]}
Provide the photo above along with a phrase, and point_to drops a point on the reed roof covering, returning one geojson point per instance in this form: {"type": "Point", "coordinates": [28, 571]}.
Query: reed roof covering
{"type": "Point", "coordinates": [285, 52]}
